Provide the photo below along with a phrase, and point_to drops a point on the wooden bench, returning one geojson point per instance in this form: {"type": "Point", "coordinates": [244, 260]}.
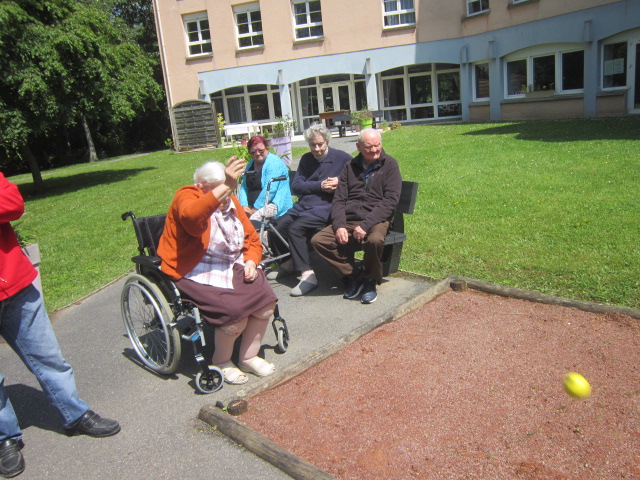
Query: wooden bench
{"type": "Point", "coordinates": [396, 236]}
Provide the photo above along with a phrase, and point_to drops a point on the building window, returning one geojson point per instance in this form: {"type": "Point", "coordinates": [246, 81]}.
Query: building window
{"type": "Point", "coordinates": [544, 73]}
{"type": "Point", "coordinates": [614, 66]}
{"type": "Point", "coordinates": [477, 6]}
{"type": "Point", "coordinates": [559, 72]}
{"type": "Point", "coordinates": [198, 34]}
{"type": "Point", "coordinates": [481, 81]}
{"type": "Point", "coordinates": [249, 103]}
{"type": "Point", "coordinates": [308, 19]}
{"type": "Point", "coordinates": [421, 91]}
{"type": "Point", "coordinates": [249, 25]}
{"type": "Point", "coordinates": [517, 77]}
{"type": "Point", "coordinates": [399, 13]}
{"type": "Point", "coordinates": [573, 70]}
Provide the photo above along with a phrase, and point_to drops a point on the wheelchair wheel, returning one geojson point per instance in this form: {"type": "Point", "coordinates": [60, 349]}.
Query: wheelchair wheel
{"type": "Point", "coordinates": [147, 317]}
{"type": "Point", "coordinates": [209, 381]}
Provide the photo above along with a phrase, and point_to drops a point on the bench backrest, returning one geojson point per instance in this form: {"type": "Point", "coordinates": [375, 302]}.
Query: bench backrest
{"type": "Point", "coordinates": [406, 204]}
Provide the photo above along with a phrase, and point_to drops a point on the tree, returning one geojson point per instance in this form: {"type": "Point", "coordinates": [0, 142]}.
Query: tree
{"type": "Point", "coordinates": [66, 63]}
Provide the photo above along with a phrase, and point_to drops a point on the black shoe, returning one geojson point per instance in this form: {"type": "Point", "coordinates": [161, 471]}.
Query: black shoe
{"type": "Point", "coordinates": [353, 286]}
{"type": "Point", "coordinates": [369, 294]}
{"type": "Point", "coordinates": [94, 425]}
{"type": "Point", "coordinates": [11, 460]}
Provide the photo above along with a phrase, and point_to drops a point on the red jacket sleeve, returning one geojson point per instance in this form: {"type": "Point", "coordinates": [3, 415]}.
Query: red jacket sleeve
{"type": "Point", "coordinates": [16, 271]}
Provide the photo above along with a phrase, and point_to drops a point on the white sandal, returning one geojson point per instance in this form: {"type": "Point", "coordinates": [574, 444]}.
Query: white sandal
{"type": "Point", "coordinates": [233, 375]}
{"type": "Point", "coordinates": [258, 366]}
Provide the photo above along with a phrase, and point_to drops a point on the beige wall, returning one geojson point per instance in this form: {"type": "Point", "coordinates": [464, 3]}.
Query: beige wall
{"type": "Point", "coordinates": [612, 105]}
{"type": "Point", "coordinates": [543, 109]}
{"type": "Point", "coordinates": [349, 25]}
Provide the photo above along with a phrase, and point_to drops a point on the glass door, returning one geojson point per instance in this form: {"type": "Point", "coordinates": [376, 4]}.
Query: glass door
{"type": "Point", "coordinates": [336, 97]}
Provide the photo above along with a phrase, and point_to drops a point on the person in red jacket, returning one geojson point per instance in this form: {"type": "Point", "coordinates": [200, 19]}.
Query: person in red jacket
{"type": "Point", "coordinates": [211, 251]}
{"type": "Point", "coordinates": [25, 326]}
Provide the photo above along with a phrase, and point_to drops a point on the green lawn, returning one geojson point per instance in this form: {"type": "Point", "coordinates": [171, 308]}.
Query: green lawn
{"type": "Point", "coordinates": [548, 206]}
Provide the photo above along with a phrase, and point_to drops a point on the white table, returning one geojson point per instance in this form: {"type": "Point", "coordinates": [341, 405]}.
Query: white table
{"type": "Point", "coordinates": [248, 129]}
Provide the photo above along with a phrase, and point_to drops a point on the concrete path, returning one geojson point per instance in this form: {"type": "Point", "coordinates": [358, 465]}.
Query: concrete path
{"type": "Point", "coordinates": [161, 437]}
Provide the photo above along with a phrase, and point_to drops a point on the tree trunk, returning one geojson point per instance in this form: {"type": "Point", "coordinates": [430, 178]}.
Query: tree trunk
{"type": "Point", "coordinates": [38, 185]}
{"type": "Point", "coordinates": [93, 156]}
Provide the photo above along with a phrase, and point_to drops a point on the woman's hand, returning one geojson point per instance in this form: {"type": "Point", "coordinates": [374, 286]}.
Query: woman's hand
{"type": "Point", "coordinates": [250, 271]}
{"type": "Point", "coordinates": [235, 167]}
{"type": "Point", "coordinates": [329, 184]}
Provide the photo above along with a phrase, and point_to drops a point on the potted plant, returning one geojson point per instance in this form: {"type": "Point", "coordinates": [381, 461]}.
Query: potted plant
{"type": "Point", "coordinates": [281, 134]}
{"type": "Point", "coordinates": [362, 118]}
{"type": "Point", "coordinates": [221, 124]}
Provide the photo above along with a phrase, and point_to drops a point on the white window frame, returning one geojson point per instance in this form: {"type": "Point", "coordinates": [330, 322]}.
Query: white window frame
{"type": "Point", "coordinates": [249, 9]}
{"type": "Point", "coordinates": [557, 52]}
{"type": "Point", "coordinates": [308, 24]}
{"type": "Point", "coordinates": [197, 18]}
{"type": "Point", "coordinates": [398, 11]}
{"type": "Point", "coordinates": [471, 4]}
{"type": "Point", "coordinates": [430, 76]}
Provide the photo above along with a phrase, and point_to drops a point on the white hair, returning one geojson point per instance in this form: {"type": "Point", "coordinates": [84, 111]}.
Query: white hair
{"type": "Point", "coordinates": [210, 172]}
{"type": "Point", "coordinates": [368, 131]}
{"type": "Point", "coordinates": [317, 129]}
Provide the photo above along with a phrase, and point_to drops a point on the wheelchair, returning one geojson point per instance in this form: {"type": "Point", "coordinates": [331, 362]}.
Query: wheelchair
{"type": "Point", "coordinates": [270, 257]}
{"type": "Point", "coordinates": [157, 319]}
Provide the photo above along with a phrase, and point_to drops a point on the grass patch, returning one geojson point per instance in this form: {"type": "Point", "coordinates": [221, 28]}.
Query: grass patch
{"type": "Point", "coordinates": [547, 206]}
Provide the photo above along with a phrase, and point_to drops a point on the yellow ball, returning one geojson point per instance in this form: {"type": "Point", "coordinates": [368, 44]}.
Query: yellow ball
{"type": "Point", "coordinates": [576, 385]}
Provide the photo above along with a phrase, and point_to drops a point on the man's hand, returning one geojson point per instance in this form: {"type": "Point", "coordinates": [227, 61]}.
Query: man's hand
{"type": "Point", "coordinates": [248, 210]}
{"type": "Point", "coordinates": [342, 236]}
{"type": "Point", "coordinates": [359, 234]}
{"type": "Point", "coordinates": [329, 184]}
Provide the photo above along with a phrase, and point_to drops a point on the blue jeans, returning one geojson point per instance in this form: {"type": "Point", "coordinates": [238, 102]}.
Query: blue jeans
{"type": "Point", "coordinates": [26, 327]}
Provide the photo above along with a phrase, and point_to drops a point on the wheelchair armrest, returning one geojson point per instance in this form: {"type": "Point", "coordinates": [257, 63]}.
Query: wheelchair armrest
{"type": "Point", "coordinates": [146, 260]}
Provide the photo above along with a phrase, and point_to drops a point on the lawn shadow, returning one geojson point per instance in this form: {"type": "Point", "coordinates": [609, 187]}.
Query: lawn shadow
{"type": "Point", "coordinates": [557, 131]}
{"type": "Point", "coordinates": [71, 183]}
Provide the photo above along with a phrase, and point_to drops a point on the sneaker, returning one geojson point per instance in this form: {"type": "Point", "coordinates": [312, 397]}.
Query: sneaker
{"type": "Point", "coordinates": [353, 286]}
{"type": "Point", "coordinates": [369, 294]}
{"type": "Point", "coordinates": [11, 460]}
{"type": "Point", "coordinates": [94, 425]}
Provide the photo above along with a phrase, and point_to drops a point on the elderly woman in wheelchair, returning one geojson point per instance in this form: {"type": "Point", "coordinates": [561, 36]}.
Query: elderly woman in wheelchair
{"type": "Point", "coordinates": [210, 250]}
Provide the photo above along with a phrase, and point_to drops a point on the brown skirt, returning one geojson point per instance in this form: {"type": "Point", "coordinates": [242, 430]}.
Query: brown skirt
{"type": "Point", "coordinates": [224, 306]}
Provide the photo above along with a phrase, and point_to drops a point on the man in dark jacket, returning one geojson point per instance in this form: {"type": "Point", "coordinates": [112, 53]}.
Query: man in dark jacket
{"type": "Point", "coordinates": [25, 326]}
{"type": "Point", "coordinates": [363, 206]}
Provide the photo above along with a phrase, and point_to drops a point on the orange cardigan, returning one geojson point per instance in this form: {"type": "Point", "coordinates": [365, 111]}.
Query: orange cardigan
{"type": "Point", "coordinates": [187, 230]}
